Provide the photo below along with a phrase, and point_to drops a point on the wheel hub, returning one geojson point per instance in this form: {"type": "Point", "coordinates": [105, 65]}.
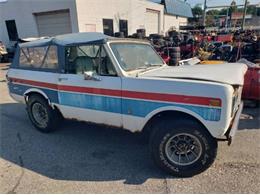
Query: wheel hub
{"type": "Point", "coordinates": [183, 149]}
{"type": "Point", "coordinates": [40, 114]}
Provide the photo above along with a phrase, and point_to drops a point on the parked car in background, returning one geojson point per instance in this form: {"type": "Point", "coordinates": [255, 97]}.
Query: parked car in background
{"type": "Point", "coordinates": [251, 89]}
{"type": "Point", "coordinates": [126, 84]}
{"type": "Point", "coordinates": [3, 53]}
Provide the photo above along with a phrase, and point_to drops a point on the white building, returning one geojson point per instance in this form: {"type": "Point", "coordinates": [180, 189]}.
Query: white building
{"type": "Point", "coordinates": [33, 18]}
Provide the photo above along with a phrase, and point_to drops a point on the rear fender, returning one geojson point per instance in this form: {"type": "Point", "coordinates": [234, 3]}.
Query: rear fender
{"type": "Point", "coordinates": [35, 90]}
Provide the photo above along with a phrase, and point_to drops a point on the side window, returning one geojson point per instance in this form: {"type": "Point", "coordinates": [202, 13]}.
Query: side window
{"type": "Point", "coordinates": [106, 67]}
{"type": "Point", "coordinates": [39, 57]}
{"type": "Point", "coordinates": [84, 58]}
{"type": "Point", "coordinates": [51, 60]}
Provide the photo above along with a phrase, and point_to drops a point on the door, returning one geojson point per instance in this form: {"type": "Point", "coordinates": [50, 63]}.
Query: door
{"type": "Point", "coordinates": [90, 90]}
{"type": "Point", "coordinates": [11, 30]}
{"type": "Point", "coordinates": [123, 27]}
{"type": "Point", "coordinates": [53, 23]}
{"type": "Point", "coordinates": [108, 27]}
{"type": "Point", "coordinates": [152, 22]}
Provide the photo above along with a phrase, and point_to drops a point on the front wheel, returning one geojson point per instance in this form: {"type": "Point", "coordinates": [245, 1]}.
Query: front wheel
{"type": "Point", "coordinates": [182, 148]}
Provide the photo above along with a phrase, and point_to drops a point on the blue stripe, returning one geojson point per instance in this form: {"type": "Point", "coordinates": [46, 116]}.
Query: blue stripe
{"type": "Point", "coordinates": [134, 107]}
{"type": "Point", "coordinates": [21, 89]}
{"type": "Point", "coordinates": [93, 102]}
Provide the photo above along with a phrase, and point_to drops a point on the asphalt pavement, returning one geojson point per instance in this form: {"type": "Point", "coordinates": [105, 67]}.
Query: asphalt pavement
{"type": "Point", "coordinates": [84, 158]}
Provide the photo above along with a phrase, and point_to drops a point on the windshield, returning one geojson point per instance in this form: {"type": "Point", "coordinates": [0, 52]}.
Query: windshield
{"type": "Point", "coordinates": [133, 56]}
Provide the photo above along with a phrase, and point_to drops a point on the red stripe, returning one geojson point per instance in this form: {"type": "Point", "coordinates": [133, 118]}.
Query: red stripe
{"type": "Point", "coordinates": [169, 97]}
{"type": "Point", "coordinates": [34, 83]}
{"type": "Point", "coordinates": [127, 94]}
{"type": "Point", "coordinates": [99, 91]}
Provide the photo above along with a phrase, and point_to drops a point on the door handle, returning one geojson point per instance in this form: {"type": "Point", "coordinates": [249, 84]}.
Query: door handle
{"type": "Point", "coordinates": [63, 79]}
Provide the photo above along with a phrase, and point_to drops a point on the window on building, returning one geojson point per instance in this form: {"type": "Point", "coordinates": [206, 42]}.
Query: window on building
{"type": "Point", "coordinates": [39, 58]}
{"type": "Point", "coordinates": [123, 27]}
{"type": "Point", "coordinates": [11, 30]}
{"type": "Point", "coordinates": [85, 58]}
{"type": "Point", "coordinates": [258, 11]}
{"type": "Point", "coordinates": [108, 27]}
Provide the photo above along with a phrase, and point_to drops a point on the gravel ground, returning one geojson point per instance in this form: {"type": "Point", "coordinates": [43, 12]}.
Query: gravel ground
{"type": "Point", "coordinates": [83, 158]}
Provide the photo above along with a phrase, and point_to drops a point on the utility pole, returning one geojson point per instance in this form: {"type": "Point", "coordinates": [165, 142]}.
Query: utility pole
{"type": "Point", "coordinates": [204, 13]}
{"type": "Point", "coordinates": [226, 26]}
{"type": "Point", "coordinates": [244, 15]}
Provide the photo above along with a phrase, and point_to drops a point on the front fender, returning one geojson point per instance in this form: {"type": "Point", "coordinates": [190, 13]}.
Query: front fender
{"type": "Point", "coordinates": [210, 125]}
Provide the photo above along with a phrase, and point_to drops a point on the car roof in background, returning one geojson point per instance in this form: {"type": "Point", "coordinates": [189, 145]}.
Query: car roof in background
{"type": "Point", "coordinates": [68, 39]}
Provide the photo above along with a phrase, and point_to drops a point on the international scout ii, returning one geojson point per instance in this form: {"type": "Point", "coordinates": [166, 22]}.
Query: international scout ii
{"type": "Point", "coordinates": [124, 83]}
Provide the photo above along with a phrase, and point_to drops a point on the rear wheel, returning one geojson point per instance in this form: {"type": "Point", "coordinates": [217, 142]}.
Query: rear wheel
{"type": "Point", "coordinates": [43, 117]}
{"type": "Point", "coordinates": [183, 147]}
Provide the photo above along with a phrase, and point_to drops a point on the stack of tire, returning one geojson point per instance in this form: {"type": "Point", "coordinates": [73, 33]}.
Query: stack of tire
{"type": "Point", "coordinates": [173, 33]}
{"type": "Point", "coordinates": [175, 55]}
{"type": "Point", "coordinates": [120, 34]}
{"type": "Point", "coordinates": [140, 33]}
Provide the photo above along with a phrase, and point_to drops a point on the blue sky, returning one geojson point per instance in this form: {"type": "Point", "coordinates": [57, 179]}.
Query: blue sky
{"type": "Point", "coordinates": [216, 2]}
{"type": "Point", "coordinates": [220, 2]}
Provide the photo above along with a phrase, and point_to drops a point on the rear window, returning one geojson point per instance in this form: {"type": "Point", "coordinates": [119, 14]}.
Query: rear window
{"type": "Point", "coordinates": [39, 57]}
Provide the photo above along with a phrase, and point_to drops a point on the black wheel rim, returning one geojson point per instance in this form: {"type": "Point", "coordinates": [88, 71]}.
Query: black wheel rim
{"type": "Point", "coordinates": [40, 114]}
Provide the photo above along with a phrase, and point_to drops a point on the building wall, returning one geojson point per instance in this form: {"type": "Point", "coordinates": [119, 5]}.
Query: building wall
{"type": "Point", "coordinates": [171, 21]}
{"type": "Point", "coordinates": [91, 13]}
{"type": "Point", "coordinates": [22, 13]}
{"type": "Point", "coordinates": [140, 9]}
{"type": "Point", "coordinates": [85, 15]}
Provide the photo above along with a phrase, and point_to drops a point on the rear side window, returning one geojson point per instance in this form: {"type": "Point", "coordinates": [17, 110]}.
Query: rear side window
{"type": "Point", "coordinates": [39, 57]}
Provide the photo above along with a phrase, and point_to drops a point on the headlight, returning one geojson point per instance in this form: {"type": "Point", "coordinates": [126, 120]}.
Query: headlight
{"type": "Point", "coordinates": [233, 106]}
{"type": "Point", "coordinates": [235, 100]}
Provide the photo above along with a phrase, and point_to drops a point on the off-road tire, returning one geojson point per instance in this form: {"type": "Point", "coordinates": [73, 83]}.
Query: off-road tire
{"type": "Point", "coordinates": [167, 128]}
{"type": "Point", "coordinates": [54, 116]}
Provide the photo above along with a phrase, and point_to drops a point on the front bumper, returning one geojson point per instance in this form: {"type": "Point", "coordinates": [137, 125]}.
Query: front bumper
{"type": "Point", "coordinates": [233, 128]}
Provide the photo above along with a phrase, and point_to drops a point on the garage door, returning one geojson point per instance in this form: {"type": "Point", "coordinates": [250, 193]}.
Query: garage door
{"type": "Point", "coordinates": [53, 23]}
{"type": "Point", "coordinates": [152, 21]}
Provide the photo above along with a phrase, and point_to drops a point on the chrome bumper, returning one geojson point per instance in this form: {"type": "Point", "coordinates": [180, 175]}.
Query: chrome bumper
{"type": "Point", "coordinates": [233, 129]}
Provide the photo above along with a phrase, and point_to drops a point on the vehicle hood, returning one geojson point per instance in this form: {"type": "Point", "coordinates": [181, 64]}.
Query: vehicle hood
{"type": "Point", "coordinates": [229, 73]}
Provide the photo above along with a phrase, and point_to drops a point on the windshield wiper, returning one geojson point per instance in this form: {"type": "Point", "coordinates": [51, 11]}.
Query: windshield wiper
{"type": "Point", "coordinates": [147, 67]}
{"type": "Point", "coordinates": [143, 67]}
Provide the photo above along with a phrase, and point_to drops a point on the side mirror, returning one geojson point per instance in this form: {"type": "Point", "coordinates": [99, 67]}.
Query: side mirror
{"type": "Point", "coordinates": [89, 75]}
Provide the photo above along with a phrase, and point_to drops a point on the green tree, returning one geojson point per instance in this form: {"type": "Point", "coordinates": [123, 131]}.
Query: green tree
{"type": "Point", "coordinates": [213, 12]}
{"type": "Point", "coordinates": [251, 10]}
{"type": "Point", "coordinates": [232, 9]}
{"type": "Point", "coordinates": [223, 11]}
{"type": "Point", "coordinates": [210, 21]}
{"type": "Point", "coordinates": [197, 11]}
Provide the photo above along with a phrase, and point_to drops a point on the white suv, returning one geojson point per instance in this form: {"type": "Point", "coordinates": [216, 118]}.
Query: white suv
{"type": "Point", "coordinates": [124, 83]}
